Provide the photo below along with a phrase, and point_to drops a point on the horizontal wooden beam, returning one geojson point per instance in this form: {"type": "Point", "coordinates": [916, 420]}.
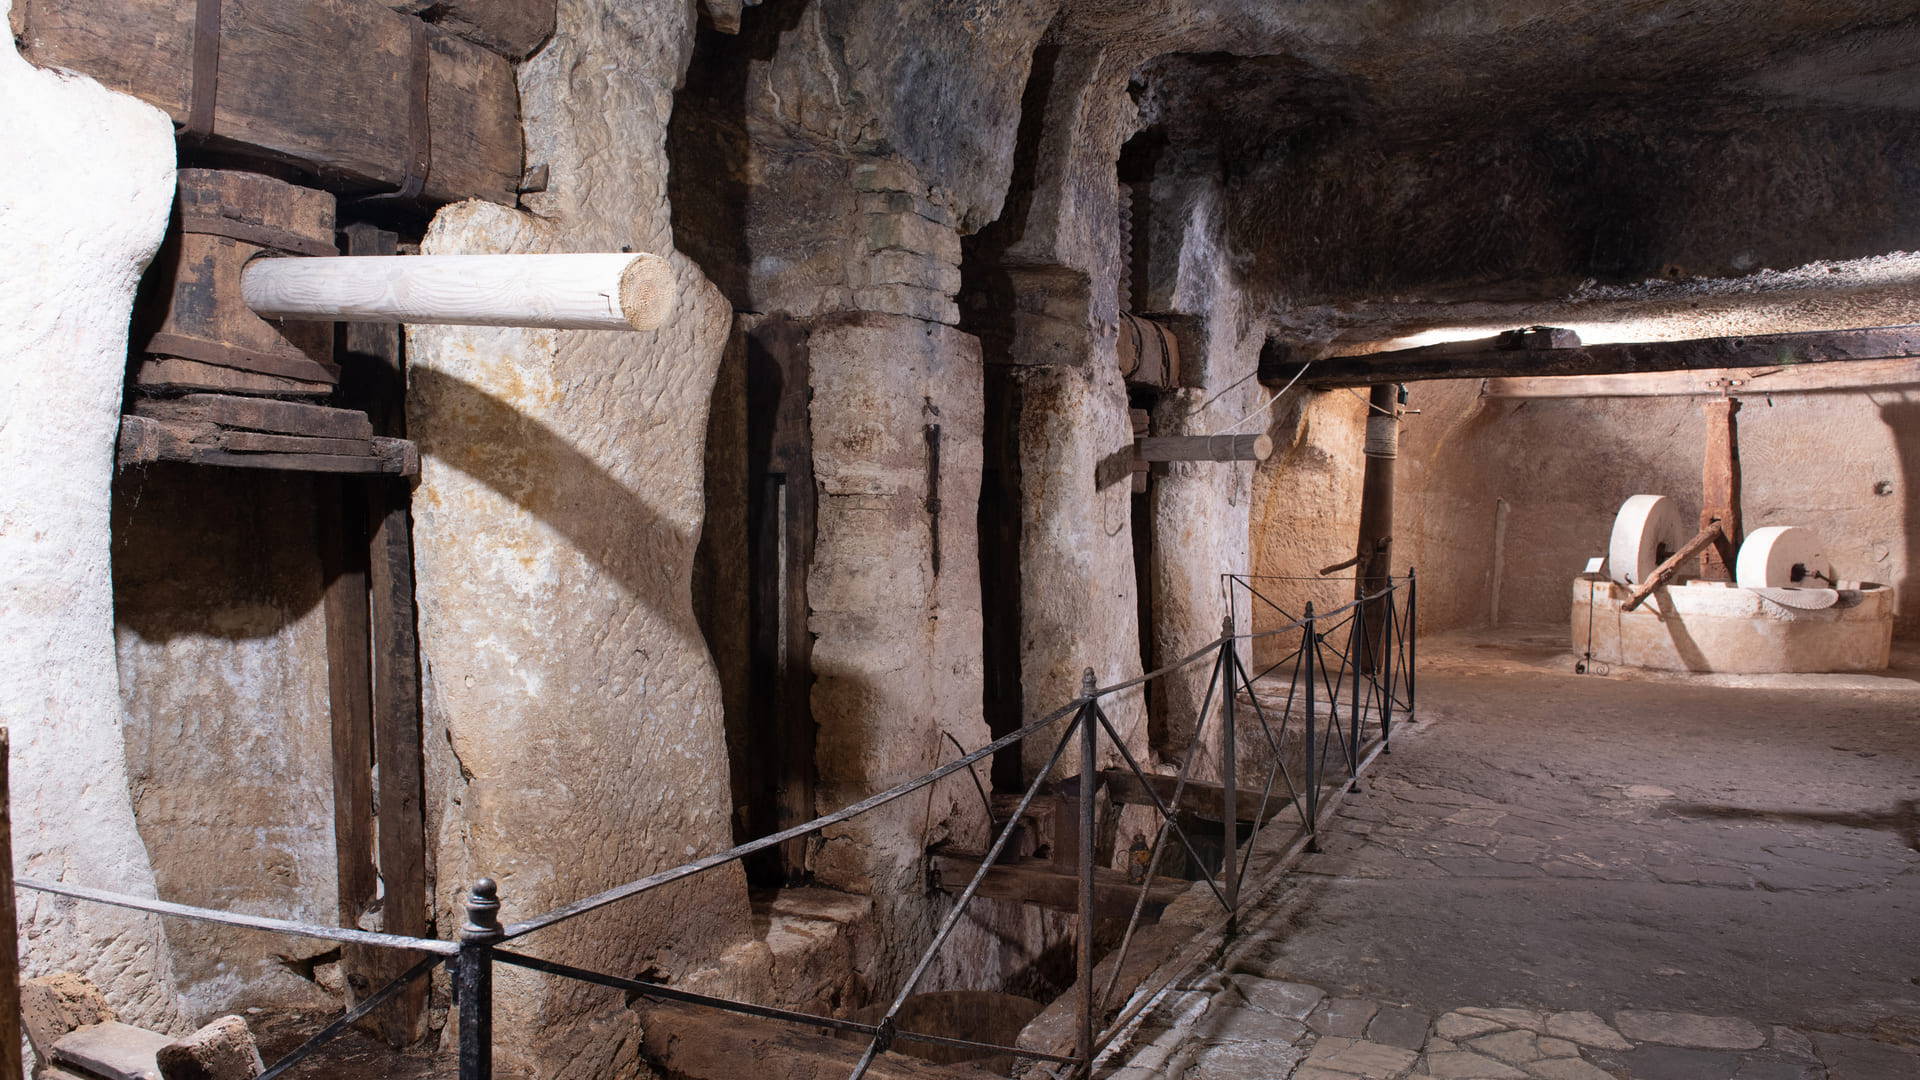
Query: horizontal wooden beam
{"type": "Point", "coordinates": [1484, 359]}
{"type": "Point", "coordinates": [1046, 883]}
{"type": "Point", "coordinates": [1800, 379]}
{"type": "Point", "coordinates": [561, 292]}
{"type": "Point", "coordinates": [260, 414]}
{"type": "Point", "coordinates": [1207, 800]}
{"type": "Point", "coordinates": [1203, 448]}
{"type": "Point", "coordinates": [144, 440]}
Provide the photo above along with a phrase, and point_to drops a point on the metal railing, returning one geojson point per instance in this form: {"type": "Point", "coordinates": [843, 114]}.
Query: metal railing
{"type": "Point", "coordinates": [1369, 673]}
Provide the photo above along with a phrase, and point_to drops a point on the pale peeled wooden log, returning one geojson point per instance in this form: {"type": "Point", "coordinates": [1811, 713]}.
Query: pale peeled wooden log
{"type": "Point", "coordinates": [1203, 448]}
{"type": "Point", "coordinates": [560, 292]}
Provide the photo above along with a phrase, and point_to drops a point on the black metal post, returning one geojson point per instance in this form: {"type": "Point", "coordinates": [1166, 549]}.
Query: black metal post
{"type": "Point", "coordinates": [1229, 775]}
{"type": "Point", "coordinates": [1356, 644]}
{"type": "Point", "coordinates": [1309, 644]}
{"type": "Point", "coordinates": [1089, 779]}
{"type": "Point", "coordinates": [1386, 674]}
{"type": "Point", "coordinates": [473, 980]}
{"type": "Point", "coordinates": [1413, 640]}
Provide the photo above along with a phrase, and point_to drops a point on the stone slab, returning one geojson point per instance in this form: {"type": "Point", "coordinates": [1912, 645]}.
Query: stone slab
{"type": "Point", "coordinates": [1245, 1061]}
{"type": "Point", "coordinates": [1689, 1029]}
{"type": "Point", "coordinates": [1656, 1062]}
{"type": "Point", "coordinates": [222, 1050]}
{"type": "Point", "coordinates": [1465, 1065]}
{"type": "Point", "coordinates": [1586, 1029]}
{"type": "Point", "coordinates": [1344, 1017]}
{"type": "Point", "coordinates": [1458, 1025]}
{"type": "Point", "coordinates": [1568, 1069]}
{"type": "Point", "coordinates": [114, 1050]}
{"type": "Point", "coordinates": [1848, 1058]}
{"type": "Point", "coordinates": [1358, 1057]}
{"type": "Point", "coordinates": [1400, 1025]}
{"type": "Point", "coordinates": [1289, 999]}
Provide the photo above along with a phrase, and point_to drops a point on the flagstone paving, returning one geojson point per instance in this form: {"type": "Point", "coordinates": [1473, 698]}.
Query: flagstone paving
{"type": "Point", "coordinates": [1564, 878]}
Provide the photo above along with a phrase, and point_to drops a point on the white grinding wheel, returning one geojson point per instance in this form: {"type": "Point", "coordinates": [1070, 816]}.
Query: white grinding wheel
{"type": "Point", "coordinates": [1646, 531]}
{"type": "Point", "coordinates": [1781, 557]}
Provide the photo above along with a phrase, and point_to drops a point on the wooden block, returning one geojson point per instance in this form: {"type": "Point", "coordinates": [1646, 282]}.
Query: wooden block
{"type": "Point", "coordinates": [256, 414]}
{"type": "Point", "coordinates": [513, 28]}
{"type": "Point", "coordinates": [301, 81]}
{"type": "Point", "coordinates": [224, 219]}
{"type": "Point", "coordinates": [170, 374]}
{"type": "Point", "coordinates": [1207, 800]}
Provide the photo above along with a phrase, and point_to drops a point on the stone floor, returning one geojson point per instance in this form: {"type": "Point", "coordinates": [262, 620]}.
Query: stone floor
{"type": "Point", "coordinates": [1570, 877]}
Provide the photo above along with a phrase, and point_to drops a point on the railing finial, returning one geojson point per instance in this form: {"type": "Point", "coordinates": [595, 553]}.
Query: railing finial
{"type": "Point", "coordinates": [483, 912]}
{"type": "Point", "coordinates": [1087, 685]}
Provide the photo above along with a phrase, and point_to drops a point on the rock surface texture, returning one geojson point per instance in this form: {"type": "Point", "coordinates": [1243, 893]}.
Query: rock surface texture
{"type": "Point", "coordinates": [564, 669]}
{"type": "Point", "coordinates": [64, 307]}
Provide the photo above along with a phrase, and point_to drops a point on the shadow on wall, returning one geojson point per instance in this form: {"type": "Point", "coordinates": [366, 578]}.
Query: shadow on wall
{"type": "Point", "coordinates": [540, 472]}
{"type": "Point", "coordinates": [1903, 421]}
{"type": "Point", "coordinates": [213, 552]}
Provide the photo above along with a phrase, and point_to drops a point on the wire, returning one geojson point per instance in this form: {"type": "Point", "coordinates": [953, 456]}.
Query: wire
{"type": "Point", "coordinates": [1370, 404]}
{"type": "Point", "coordinates": [1265, 404]}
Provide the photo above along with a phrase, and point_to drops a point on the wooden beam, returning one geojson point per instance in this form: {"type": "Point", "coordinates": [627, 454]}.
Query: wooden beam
{"type": "Point", "coordinates": [1044, 882]}
{"type": "Point", "coordinates": [1483, 359]}
{"type": "Point", "coordinates": [1206, 800]}
{"type": "Point", "coordinates": [343, 552]}
{"type": "Point", "coordinates": [347, 89]}
{"type": "Point", "coordinates": [1665, 572]}
{"type": "Point", "coordinates": [1720, 489]}
{"type": "Point", "coordinates": [1814, 378]}
{"type": "Point", "coordinates": [256, 414]}
{"type": "Point", "coordinates": [144, 439]}
{"type": "Point", "coordinates": [561, 292]}
{"type": "Point", "coordinates": [1203, 448]}
{"type": "Point", "coordinates": [512, 28]}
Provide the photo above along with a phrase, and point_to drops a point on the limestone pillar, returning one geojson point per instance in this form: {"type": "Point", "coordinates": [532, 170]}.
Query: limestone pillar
{"type": "Point", "coordinates": [894, 592]}
{"type": "Point", "coordinates": [555, 522]}
{"type": "Point", "coordinates": [83, 206]}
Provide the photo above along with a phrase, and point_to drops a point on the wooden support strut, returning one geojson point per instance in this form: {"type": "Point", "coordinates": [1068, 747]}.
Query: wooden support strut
{"type": "Point", "coordinates": [561, 292]}
{"type": "Point", "coordinates": [1665, 572]}
{"type": "Point", "coordinates": [1203, 448]}
{"type": "Point", "coordinates": [1486, 359]}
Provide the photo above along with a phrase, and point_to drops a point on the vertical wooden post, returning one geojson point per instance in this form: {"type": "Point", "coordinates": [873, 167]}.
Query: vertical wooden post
{"type": "Point", "coordinates": [342, 526]}
{"type": "Point", "coordinates": [378, 374]}
{"type": "Point", "coordinates": [9, 926]}
{"type": "Point", "coordinates": [1375, 548]}
{"type": "Point", "coordinates": [1720, 488]}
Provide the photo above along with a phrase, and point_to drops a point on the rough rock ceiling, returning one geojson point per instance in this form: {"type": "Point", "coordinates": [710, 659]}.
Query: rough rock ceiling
{"type": "Point", "coordinates": [1395, 156]}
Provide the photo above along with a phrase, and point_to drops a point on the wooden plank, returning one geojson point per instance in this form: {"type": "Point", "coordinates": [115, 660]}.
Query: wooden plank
{"type": "Point", "coordinates": [1206, 800]}
{"type": "Point", "coordinates": [1720, 489]}
{"type": "Point", "coordinates": [260, 442]}
{"type": "Point", "coordinates": [343, 554]}
{"type": "Point", "coordinates": [1853, 375]}
{"type": "Point", "coordinates": [1483, 360]}
{"type": "Point", "coordinates": [144, 439]}
{"type": "Point", "coordinates": [1666, 570]}
{"type": "Point", "coordinates": [398, 750]}
{"type": "Point", "coordinates": [256, 414]}
{"type": "Point", "coordinates": [1043, 882]}
{"type": "Point", "coordinates": [297, 81]}
{"type": "Point", "coordinates": [9, 925]}
{"type": "Point", "coordinates": [512, 28]}
{"type": "Point", "coordinates": [168, 374]}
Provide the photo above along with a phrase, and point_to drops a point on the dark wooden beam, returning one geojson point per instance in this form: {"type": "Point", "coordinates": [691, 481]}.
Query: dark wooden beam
{"type": "Point", "coordinates": [9, 929]}
{"type": "Point", "coordinates": [1048, 884]}
{"type": "Point", "coordinates": [144, 440]}
{"type": "Point", "coordinates": [1207, 800]}
{"type": "Point", "coordinates": [1485, 359]}
{"type": "Point", "coordinates": [343, 548]}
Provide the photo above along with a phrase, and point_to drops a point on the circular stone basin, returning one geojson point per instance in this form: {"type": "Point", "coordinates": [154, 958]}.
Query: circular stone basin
{"type": "Point", "coordinates": [1715, 626]}
{"type": "Point", "coordinates": [976, 1015]}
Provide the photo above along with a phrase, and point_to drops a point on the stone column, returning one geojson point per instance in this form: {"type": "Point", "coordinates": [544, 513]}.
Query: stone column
{"type": "Point", "coordinates": [559, 505]}
{"type": "Point", "coordinates": [83, 207]}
